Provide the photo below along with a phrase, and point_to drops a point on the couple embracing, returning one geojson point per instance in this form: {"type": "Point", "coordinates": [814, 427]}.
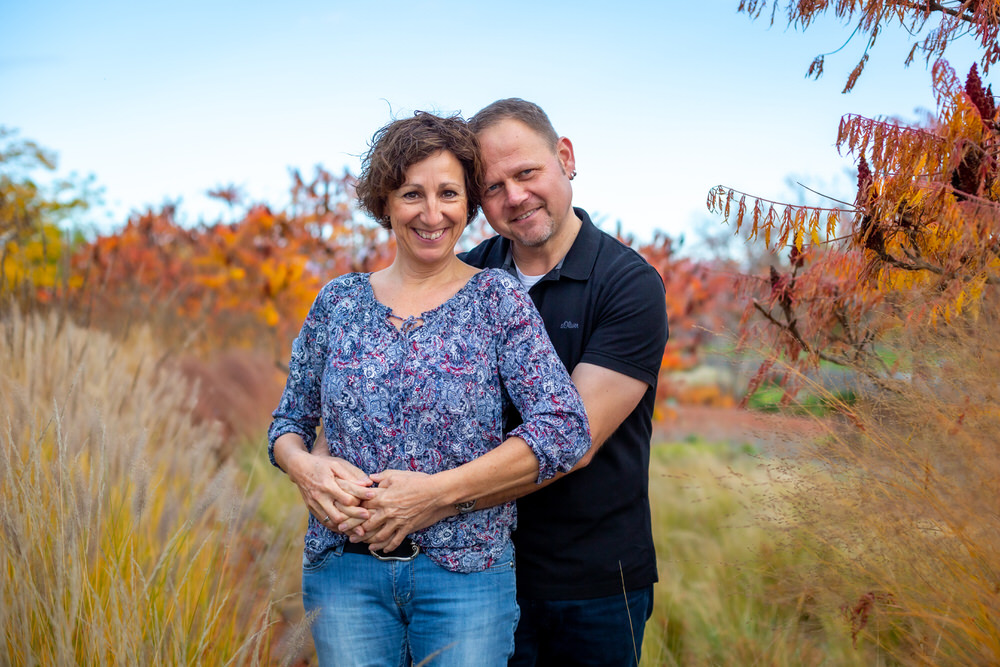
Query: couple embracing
{"type": "Point", "coordinates": [448, 386]}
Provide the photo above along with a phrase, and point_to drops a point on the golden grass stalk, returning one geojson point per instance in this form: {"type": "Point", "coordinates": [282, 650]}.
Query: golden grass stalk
{"type": "Point", "coordinates": [722, 598]}
{"type": "Point", "coordinates": [124, 540]}
{"type": "Point", "coordinates": [900, 514]}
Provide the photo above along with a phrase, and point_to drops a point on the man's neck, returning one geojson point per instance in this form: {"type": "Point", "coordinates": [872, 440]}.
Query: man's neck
{"type": "Point", "coordinates": [539, 260]}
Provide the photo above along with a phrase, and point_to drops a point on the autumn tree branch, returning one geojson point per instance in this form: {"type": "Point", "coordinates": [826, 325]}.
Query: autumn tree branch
{"type": "Point", "coordinates": [932, 5]}
{"type": "Point", "coordinates": [791, 330]}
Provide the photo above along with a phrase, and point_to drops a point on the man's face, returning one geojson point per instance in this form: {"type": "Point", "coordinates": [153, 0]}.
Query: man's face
{"type": "Point", "coordinates": [528, 194]}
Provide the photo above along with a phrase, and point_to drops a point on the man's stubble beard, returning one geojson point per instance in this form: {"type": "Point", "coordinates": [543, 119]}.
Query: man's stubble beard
{"type": "Point", "coordinates": [537, 238]}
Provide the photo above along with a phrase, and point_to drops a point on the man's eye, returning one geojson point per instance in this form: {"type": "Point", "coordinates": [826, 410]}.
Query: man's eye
{"type": "Point", "coordinates": [493, 188]}
{"type": "Point", "coordinates": [526, 173]}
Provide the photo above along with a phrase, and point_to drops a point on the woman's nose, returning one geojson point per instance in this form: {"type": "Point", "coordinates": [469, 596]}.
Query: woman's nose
{"type": "Point", "coordinates": [433, 212]}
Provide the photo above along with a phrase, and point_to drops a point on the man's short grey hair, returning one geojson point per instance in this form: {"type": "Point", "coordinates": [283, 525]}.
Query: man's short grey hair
{"type": "Point", "coordinates": [514, 108]}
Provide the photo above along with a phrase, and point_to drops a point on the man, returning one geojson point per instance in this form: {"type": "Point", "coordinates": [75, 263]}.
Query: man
{"type": "Point", "coordinates": [583, 543]}
{"type": "Point", "coordinates": [585, 558]}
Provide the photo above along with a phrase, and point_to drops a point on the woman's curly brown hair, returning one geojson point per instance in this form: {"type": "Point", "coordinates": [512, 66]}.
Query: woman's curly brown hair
{"type": "Point", "coordinates": [401, 144]}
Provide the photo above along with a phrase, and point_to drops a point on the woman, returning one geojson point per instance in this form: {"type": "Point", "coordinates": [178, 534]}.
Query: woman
{"type": "Point", "coordinates": [407, 368]}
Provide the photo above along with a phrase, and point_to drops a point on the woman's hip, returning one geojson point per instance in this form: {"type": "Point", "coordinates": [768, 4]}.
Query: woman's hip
{"type": "Point", "coordinates": [369, 610]}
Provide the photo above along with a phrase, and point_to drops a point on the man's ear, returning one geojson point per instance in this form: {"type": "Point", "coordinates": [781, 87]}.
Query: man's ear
{"type": "Point", "coordinates": [564, 151]}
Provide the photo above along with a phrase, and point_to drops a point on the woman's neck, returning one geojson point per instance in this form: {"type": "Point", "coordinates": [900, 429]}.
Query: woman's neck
{"type": "Point", "coordinates": [411, 291]}
{"type": "Point", "coordinates": [422, 276]}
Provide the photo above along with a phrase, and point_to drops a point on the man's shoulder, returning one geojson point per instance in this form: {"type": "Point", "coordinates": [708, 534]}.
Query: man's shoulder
{"type": "Point", "coordinates": [613, 251]}
{"type": "Point", "coordinates": [602, 257]}
{"type": "Point", "coordinates": [488, 254]}
{"type": "Point", "coordinates": [619, 264]}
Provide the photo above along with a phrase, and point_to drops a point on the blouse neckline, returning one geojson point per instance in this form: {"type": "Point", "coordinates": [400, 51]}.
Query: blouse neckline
{"type": "Point", "coordinates": [416, 321]}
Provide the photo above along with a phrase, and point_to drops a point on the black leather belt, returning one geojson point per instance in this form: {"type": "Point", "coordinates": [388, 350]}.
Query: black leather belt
{"type": "Point", "coordinates": [408, 550]}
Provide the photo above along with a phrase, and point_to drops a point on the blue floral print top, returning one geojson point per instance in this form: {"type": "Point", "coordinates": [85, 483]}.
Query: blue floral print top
{"type": "Point", "coordinates": [429, 397]}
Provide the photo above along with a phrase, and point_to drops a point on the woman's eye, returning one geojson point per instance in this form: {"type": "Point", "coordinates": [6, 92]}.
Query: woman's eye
{"type": "Point", "coordinates": [410, 195]}
{"type": "Point", "coordinates": [449, 194]}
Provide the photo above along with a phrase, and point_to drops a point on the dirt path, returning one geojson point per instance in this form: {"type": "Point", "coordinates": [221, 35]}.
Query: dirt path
{"type": "Point", "coordinates": [767, 432]}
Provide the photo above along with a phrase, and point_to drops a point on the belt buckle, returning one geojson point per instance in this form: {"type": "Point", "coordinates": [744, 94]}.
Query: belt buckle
{"type": "Point", "coordinates": [413, 545]}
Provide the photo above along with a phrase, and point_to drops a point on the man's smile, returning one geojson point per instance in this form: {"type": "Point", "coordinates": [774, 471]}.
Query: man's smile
{"type": "Point", "coordinates": [526, 215]}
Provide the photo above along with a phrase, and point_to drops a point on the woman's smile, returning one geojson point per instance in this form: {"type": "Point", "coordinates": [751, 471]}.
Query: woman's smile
{"type": "Point", "coordinates": [430, 236]}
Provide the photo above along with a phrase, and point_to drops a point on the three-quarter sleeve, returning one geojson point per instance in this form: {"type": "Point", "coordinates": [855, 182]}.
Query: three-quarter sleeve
{"type": "Point", "coordinates": [554, 421]}
{"type": "Point", "coordinates": [299, 410]}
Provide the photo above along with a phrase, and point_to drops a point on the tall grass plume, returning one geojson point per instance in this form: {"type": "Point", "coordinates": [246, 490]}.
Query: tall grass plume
{"type": "Point", "coordinates": [899, 508]}
{"type": "Point", "coordinates": [125, 539]}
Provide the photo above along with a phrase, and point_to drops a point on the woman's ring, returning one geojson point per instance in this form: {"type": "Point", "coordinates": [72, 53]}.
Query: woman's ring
{"type": "Point", "coordinates": [326, 518]}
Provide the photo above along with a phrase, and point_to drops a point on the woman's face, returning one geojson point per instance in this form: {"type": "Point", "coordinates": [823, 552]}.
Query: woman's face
{"type": "Point", "coordinates": [427, 212]}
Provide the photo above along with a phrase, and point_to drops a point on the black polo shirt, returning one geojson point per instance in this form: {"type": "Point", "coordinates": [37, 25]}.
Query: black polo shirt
{"type": "Point", "coordinates": [603, 305]}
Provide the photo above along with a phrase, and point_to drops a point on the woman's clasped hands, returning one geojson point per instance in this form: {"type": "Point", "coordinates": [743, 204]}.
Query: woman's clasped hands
{"type": "Point", "coordinates": [380, 509]}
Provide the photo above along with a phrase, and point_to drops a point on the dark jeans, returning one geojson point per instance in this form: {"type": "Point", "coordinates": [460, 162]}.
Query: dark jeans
{"type": "Point", "coordinates": [582, 632]}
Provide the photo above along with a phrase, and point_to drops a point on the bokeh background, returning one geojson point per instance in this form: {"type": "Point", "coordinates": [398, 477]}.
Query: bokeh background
{"type": "Point", "coordinates": [176, 186]}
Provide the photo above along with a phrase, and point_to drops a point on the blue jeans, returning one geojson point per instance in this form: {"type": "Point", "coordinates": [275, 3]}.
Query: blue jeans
{"type": "Point", "coordinates": [382, 613]}
{"type": "Point", "coordinates": [600, 631]}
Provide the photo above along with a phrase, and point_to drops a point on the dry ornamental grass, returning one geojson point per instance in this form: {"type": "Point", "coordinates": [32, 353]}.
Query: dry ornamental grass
{"type": "Point", "coordinates": [125, 541]}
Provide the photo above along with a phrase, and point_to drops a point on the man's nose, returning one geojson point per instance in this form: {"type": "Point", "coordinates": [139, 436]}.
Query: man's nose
{"type": "Point", "coordinates": [516, 195]}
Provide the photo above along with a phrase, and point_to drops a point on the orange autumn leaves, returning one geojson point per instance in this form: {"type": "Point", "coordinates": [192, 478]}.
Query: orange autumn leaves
{"type": "Point", "coordinates": [921, 249]}
{"type": "Point", "coordinates": [228, 283]}
{"type": "Point", "coordinates": [249, 281]}
{"type": "Point", "coordinates": [240, 282]}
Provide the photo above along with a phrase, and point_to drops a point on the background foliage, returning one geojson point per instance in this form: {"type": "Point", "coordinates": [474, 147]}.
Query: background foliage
{"type": "Point", "coordinates": [140, 364]}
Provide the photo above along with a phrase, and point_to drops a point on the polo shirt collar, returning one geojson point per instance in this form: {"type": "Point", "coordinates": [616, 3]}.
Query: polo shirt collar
{"type": "Point", "coordinates": [578, 263]}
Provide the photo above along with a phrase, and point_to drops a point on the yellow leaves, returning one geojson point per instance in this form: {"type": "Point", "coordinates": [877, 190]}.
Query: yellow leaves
{"type": "Point", "coordinates": [799, 226]}
{"type": "Point", "coordinates": [832, 218]}
{"type": "Point", "coordinates": [211, 282]}
{"type": "Point", "coordinates": [32, 259]}
{"type": "Point", "coordinates": [279, 274]}
{"type": "Point", "coordinates": [814, 228]}
{"type": "Point", "coordinates": [945, 82]}
{"type": "Point", "coordinates": [774, 219]}
{"type": "Point", "coordinates": [967, 298]}
{"type": "Point", "coordinates": [898, 280]}
{"type": "Point", "coordinates": [897, 153]}
{"type": "Point", "coordinates": [269, 314]}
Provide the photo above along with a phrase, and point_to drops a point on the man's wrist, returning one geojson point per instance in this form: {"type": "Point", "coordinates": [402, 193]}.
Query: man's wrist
{"type": "Point", "coordinates": [466, 507]}
{"type": "Point", "coordinates": [453, 493]}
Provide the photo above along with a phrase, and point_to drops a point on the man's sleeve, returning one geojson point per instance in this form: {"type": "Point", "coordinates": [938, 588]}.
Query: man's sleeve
{"type": "Point", "coordinates": [630, 328]}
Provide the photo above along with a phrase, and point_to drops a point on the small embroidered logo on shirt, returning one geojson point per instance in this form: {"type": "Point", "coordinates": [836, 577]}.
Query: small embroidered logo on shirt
{"type": "Point", "coordinates": [569, 325]}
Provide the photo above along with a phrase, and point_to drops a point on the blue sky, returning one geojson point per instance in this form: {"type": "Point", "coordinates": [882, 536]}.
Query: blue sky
{"type": "Point", "coordinates": [662, 100]}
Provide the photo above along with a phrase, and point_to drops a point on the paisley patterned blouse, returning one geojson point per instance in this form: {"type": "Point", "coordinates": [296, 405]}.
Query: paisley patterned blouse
{"type": "Point", "coordinates": [429, 397]}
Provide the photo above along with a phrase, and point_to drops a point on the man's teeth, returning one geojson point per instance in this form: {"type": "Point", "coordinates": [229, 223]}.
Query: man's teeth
{"type": "Point", "coordinates": [430, 236]}
{"type": "Point", "coordinates": [524, 215]}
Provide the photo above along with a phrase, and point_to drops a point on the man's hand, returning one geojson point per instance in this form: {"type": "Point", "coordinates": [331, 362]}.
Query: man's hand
{"type": "Point", "coordinates": [403, 503]}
